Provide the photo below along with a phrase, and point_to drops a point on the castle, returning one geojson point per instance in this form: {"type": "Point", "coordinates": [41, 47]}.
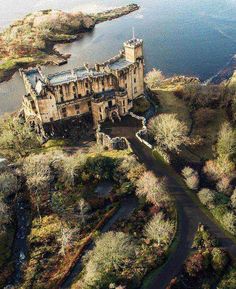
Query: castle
{"type": "Point", "coordinates": [106, 91]}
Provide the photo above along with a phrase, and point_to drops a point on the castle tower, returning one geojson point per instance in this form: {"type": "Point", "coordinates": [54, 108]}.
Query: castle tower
{"type": "Point", "coordinates": [133, 49]}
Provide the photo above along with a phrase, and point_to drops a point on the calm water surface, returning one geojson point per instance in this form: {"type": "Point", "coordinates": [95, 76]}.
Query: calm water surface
{"type": "Point", "coordinates": [181, 36]}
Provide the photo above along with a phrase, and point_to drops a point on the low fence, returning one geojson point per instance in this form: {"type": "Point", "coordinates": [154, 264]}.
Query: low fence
{"type": "Point", "coordinates": [139, 135]}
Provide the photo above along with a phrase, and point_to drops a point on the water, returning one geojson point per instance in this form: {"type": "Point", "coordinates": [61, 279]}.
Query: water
{"type": "Point", "coordinates": [181, 36]}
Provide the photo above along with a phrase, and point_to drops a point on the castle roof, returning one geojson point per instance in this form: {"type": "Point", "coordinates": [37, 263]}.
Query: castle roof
{"type": "Point", "coordinates": [119, 64]}
{"type": "Point", "coordinates": [73, 75]}
{"type": "Point", "coordinates": [33, 76]}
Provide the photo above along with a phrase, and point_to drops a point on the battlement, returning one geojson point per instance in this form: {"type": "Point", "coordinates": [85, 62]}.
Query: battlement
{"type": "Point", "coordinates": [135, 42]}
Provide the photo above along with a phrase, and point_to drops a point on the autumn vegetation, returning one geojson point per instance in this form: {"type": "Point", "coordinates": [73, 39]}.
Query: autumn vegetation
{"type": "Point", "coordinates": [209, 266]}
{"type": "Point", "coordinates": [195, 131]}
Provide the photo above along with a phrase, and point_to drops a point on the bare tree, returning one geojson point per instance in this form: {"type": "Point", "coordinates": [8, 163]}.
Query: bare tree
{"type": "Point", "coordinates": [169, 132]}
{"type": "Point", "coordinates": [154, 189]}
{"type": "Point", "coordinates": [83, 209]}
{"type": "Point", "coordinates": [38, 174]}
{"type": "Point", "coordinates": [160, 230]}
{"type": "Point", "coordinates": [154, 78]}
{"type": "Point", "coordinates": [65, 239]}
{"type": "Point", "coordinates": [111, 253]}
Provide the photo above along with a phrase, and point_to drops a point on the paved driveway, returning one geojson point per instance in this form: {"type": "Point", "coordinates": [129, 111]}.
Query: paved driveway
{"type": "Point", "coordinates": [189, 214]}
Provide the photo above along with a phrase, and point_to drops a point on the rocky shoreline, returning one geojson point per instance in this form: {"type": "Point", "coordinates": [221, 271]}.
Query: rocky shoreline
{"type": "Point", "coordinates": [80, 23]}
{"type": "Point", "coordinates": [225, 73]}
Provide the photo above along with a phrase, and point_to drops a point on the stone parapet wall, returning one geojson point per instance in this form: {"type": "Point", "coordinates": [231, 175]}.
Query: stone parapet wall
{"type": "Point", "coordinates": [139, 135]}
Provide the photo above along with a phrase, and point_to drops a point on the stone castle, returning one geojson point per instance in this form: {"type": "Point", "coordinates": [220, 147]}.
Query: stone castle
{"type": "Point", "coordinates": [106, 91]}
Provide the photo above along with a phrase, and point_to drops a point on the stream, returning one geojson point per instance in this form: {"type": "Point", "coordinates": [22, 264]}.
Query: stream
{"type": "Point", "coordinates": [20, 250]}
{"type": "Point", "coordinates": [128, 205]}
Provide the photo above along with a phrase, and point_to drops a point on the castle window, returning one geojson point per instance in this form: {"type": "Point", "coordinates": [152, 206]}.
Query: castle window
{"type": "Point", "coordinates": [33, 104]}
{"type": "Point", "coordinates": [62, 99]}
{"type": "Point", "coordinates": [100, 109]}
{"type": "Point", "coordinates": [103, 89]}
{"type": "Point", "coordinates": [134, 80]}
{"type": "Point", "coordinates": [102, 82]}
{"type": "Point", "coordinates": [135, 71]}
{"type": "Point", "coordinates": [124, 110]}
{"type": "Point", "coordinates": [101, 117]}
{"type": "Point", "coordinates": [79, 95]}
{"type": "Point", "coordinates": [126, 85]}
{"type": "Point", "coordinates": [77, 107]}
{"type": "Point", "coordinates": [86, 84]}
{"type": "Point", "coordinates": [64, 112]}
{"type": "Point", "coordinates": [51, 119]}
{"type": "Point", "coordinates": [135, 90]}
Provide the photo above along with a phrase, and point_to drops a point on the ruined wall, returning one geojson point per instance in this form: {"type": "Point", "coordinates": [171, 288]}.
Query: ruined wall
{"type": "Point", "coordinates": [117, 143]}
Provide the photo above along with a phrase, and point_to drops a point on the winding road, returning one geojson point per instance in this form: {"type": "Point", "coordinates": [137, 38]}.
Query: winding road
{"type": "Point", "coordinates": [189, 213]}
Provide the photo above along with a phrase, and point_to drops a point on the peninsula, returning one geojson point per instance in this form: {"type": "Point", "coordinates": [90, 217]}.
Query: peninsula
{"type": "Point", "coordinates": [31, 40]}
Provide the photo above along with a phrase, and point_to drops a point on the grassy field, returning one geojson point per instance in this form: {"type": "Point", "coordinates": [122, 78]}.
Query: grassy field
{"type": "Point", "coordinates": [169, 103]}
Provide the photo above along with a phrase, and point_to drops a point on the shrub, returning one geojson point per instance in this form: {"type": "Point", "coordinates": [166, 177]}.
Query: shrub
{"type": "Point", "coordinates": [226, 144]}
{"type": "Point", "coordinates": [99, 167]}
{"type": "Point", "coordinates": [229, 221]}
{"type": "Point", "coordinates": [219, 259]}
{"type": "Point", "coordinates": [4, 215]}
{"type": "Point", "coordinates": [16, 140]}
{"type": "Point", "coordinates": [203, 116]}
{"type": "Point", "coordinates": [191, 178]}
{"type": "Point", "coordinates": [160, 230]}
{"type": "Point", "coordinates": [195, 264]}
{"type": "Point", "coordinates": [203, 239]}
{"type": "Point", "coordinates": [233, 199]}
{"type": "Point", "coordinates": [141, 105]}
{"type": "Point", "coordinates": [223, 186]}
{"type": "Point", "coordinates": [207, 197]}
{"type": "Point", "coordinates": [165, 156]}
{"type": "Point", "coordinates": [217, 169]}
{"type": "Point", "coordinates": [229, 280]}
{"type": "Point", "coordinates": [8, 184]}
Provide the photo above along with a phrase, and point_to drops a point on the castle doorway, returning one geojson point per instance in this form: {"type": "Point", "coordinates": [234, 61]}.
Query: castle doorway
{"type": "Point", "coordinates": [110, 103]}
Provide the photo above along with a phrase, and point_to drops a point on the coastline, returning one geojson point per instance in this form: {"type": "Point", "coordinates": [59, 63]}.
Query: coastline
{"type": "Point", "coordinates": [51, 56]}
{"type": "Point", "coordinates": [225, 73]}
